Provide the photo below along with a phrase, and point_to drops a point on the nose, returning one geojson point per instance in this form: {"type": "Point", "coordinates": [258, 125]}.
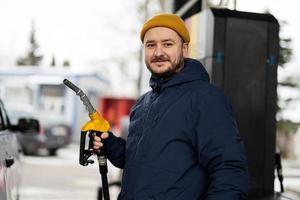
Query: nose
{"type": "Point", "coordinates": [158, 51]}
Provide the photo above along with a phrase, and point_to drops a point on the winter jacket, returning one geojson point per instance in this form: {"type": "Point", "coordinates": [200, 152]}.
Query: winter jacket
{"type": "Point", "coordinates": [183, 143]}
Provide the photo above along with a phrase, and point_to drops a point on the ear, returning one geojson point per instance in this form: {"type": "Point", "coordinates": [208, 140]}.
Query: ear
{"type": "Point", "coordinates": [185, 49]}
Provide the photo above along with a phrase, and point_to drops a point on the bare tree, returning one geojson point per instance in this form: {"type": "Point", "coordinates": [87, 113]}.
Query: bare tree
{"type": "Point", "coordinates": [32, 58]}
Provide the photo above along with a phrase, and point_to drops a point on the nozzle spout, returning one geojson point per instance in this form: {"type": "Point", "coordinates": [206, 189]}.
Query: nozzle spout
{"type": "Point", "coordinates": [81, 94]}
{"type": "Point", "coordinates": [71, 85]}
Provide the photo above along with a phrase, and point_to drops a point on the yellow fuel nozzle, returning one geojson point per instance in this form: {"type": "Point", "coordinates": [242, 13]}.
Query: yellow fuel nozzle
{"type": "Point", "coordinates": [96, 126]}
{"type": "Point", "coordinates": [97, 123]}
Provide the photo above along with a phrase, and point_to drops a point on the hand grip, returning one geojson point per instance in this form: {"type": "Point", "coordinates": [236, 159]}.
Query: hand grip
{"type": "Point", "coordinates": [86, 147]}
{"type": "Point", "coordinates": [99, 152]}
{"type": "Point", "coordinates": [9, 161]}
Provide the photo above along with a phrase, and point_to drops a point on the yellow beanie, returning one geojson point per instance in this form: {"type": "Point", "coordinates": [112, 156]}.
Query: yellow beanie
{"type": "Point", "coordinates": [171, 21]}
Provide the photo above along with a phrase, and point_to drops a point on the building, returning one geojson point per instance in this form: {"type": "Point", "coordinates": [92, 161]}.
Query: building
{"type": "Point", "coordinates": [41, 91]}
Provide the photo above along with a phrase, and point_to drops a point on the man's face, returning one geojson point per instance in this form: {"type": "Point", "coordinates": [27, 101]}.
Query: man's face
{"type": "Point", "coordinates": [164, 51]}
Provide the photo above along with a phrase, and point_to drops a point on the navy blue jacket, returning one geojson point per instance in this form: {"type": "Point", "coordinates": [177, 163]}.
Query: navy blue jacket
{"type": "Point", "coordinates": [183, 143]}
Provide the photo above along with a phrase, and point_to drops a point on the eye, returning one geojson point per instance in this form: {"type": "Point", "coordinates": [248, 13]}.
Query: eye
{"type": "Point", "coordinates": [168, 44]}
{"type": "Point", "coordinates": [150, 45]}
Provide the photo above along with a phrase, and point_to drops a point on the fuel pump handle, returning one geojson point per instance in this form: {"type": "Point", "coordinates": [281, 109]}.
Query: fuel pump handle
{"type": "Point", "coordinates": [96, 126]}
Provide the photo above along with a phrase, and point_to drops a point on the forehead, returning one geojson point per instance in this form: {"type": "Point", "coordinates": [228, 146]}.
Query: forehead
{"type": "Point", "coordinates": [161, 33]}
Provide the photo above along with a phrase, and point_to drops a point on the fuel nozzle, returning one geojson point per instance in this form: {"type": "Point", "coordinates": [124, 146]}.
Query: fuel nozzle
{"type": "Point", "coordinates": [95, 126]}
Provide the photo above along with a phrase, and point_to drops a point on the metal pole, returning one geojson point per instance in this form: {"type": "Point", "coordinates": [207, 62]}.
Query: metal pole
{"type": "Point", "coordinates": [186, 7]}
{"type": "Point", "coordinates": [234, 4]}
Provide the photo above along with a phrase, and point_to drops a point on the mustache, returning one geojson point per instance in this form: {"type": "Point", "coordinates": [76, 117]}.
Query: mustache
{"type": "Point", "coordinates": [160, 59]}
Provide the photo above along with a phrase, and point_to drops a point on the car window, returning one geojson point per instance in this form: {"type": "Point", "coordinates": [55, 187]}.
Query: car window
{"type": "Point", "coordinates": [3, 118]}
{"type": "Point", "coordinates": [14, 115]}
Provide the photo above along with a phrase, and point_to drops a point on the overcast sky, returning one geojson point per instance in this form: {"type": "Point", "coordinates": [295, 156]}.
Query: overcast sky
{"type": "Point", "coordinates": [86, 31]}
{"type": "Point", "coordinates": [82, 31]}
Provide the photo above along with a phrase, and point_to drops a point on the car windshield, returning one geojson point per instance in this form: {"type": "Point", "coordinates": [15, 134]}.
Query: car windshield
{"type": "Point", "coordinates": [15, 115]}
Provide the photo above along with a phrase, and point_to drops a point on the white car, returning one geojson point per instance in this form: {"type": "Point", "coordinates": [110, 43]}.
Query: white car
{"type": "Point", "coordinates": [10, 155]}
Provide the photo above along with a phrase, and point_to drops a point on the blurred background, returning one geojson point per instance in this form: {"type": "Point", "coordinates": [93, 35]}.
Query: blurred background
{"type": "Point", "coordinates": [96, 45]}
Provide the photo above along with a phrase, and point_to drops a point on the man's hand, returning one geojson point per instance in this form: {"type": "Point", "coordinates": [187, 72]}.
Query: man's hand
{"type": "Point", "coordinates": [97, 143]}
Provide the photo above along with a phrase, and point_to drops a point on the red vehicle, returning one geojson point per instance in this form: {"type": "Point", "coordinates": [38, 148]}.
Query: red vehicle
{"type": "Point", "coordinates": [116, 111]}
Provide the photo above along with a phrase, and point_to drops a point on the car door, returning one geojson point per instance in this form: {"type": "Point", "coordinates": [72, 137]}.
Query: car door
{"type": "Point", "coordinates": [9, 160]}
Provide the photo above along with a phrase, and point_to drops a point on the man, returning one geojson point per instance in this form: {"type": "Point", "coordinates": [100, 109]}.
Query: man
{"type": "Point", "coordinates": [183, 141]}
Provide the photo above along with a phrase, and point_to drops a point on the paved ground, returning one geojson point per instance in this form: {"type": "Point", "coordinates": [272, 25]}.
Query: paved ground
{"type": "Point", "coordinates": [291, 173]}
{"type": "Point", "coordinates": [62, 178]}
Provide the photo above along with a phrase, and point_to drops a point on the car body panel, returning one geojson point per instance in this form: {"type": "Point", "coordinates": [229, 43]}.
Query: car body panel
{"type": "Point", "coordinates": [10, 159]}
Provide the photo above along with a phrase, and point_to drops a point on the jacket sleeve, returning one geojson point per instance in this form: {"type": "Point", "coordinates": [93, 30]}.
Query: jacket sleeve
{"type": "Point", "coordinates": [116, 146]}
{"type": "Point", "coordinates": [115, 150]}
{"type": "Point", "coordinates": [220, 149]}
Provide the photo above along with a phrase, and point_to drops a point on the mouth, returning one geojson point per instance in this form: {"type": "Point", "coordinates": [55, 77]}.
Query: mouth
{"type": "Point", "coordinates": [159, 61]}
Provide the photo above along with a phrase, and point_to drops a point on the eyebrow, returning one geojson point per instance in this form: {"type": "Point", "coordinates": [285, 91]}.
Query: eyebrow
{"type": "Point", "coordinates": [168, 40]}
{"type": "Point", "coordinates": [149, 41]}
{"type": "Point", "coordinates": [165, 40]}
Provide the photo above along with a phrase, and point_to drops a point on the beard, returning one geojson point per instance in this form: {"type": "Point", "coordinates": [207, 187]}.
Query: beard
{"type": "Point", "coordinates": [174, 68]}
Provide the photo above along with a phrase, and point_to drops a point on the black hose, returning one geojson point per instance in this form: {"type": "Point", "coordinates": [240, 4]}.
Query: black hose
{"type": "Point", "coordinates": [102, 160]}
{"type": "Point", "coordinates": [279, 170]}
{"type": "Point", "coordinates": [105, 190]}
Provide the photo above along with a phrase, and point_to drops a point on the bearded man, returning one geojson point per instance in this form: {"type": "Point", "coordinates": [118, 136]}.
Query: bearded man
{"type": "Point", "coordinates": [183, 141]}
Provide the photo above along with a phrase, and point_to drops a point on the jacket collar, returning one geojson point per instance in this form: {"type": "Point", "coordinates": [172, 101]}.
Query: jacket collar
{"type": "Point", "coordinates": [192, 70]}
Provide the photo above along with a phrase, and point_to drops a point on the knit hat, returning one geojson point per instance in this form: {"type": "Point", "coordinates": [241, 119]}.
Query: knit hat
{"type": "Point", "coordinates": [171, 21]}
